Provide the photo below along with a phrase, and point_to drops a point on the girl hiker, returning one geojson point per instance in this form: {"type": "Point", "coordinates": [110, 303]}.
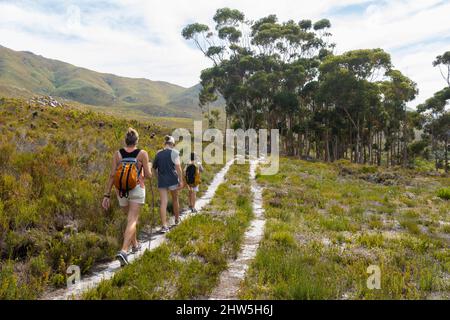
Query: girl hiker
{"type": "Point", "coordinates": [167, 165]}
{"type": "Point", "coordinates": [192, 176]}
{"type": "Point", "coordinates": [130, 166]}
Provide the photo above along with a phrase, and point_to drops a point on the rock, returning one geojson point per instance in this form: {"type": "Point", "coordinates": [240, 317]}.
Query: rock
{"type": "Point", "coordinates": [70, 228]}
{"type": "Point", "coordinates": [45, 101]}
{"type": "Point", "coordinates": [275, 202]}
{"type": "Point", "coordinates": [304, 175]}
{"type": "Point", "coordinates": [344, 171]}
{"type": "Point", "coordinates": [410, 195]}
{"type": "Point", "coordinates": [437, 199]}
{"type": "Point", "coordinates": [281, 193]}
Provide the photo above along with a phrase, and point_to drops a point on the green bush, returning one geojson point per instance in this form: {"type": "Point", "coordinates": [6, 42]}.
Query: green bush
{"type": "Point", "coordinates": [283, 239]}
{"type": "Point", "coordinates": [444, 193]}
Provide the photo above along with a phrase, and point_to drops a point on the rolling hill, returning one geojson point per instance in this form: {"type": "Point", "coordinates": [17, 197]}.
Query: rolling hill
{"type": "Point", "coordinates": [24, 74]}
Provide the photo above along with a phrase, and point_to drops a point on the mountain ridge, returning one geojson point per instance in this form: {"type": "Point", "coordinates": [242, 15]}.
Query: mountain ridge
{"type": "Point", "coordinates": [25, 74]}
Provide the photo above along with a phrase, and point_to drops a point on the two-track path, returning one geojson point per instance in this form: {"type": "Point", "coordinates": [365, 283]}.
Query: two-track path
{"type": "Point", "coordinates": [230, 279]}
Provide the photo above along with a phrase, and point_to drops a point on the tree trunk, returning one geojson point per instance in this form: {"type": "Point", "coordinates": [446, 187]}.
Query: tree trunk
{"type": "Point", "coordinates": [380, 138]}
{"type": "Point", "coordinates": [446, 153]}
{"type": "Point", "coordinates": [327, 146]}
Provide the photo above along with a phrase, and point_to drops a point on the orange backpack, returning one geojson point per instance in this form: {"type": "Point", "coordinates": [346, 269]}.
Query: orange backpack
{"type": "Point", "coordinates": [127, 174]}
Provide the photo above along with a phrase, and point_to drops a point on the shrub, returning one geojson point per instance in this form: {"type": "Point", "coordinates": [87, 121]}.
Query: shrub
{"type": "Point", "coordinates": [4, 219]}
{"type": "Point", "coordinates": [411, 226]}
{"type": "Point", "coordinates": [283, 238]}
{"type": "Point", "coordinates": [368, 169]}
{"type": "Point", "coordinates": [444, 193]}
{"type": "Point", "coordinates": [371, 240]}
{"type": "Point", "coordinates": [39, 267]}
{"type": "Point", "coordinates": [8, 282]}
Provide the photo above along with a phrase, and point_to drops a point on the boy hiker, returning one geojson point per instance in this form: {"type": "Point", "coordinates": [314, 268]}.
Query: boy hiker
{"type": "Point", "coordinates": [192, 176]}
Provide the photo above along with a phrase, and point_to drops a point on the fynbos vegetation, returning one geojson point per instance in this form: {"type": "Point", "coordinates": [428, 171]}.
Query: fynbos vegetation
{"type": "Point", "coordinates": [53, 165]}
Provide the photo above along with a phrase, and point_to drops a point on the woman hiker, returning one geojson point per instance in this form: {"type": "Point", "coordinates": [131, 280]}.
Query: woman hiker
{"type": "Point", "coordinates": [130, 166]}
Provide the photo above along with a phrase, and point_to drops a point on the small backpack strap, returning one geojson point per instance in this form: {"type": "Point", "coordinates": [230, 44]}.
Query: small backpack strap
{"type": "Point", "coordinates": [120, 181]}
{"type": "Point", "coordinates": [130, 167]}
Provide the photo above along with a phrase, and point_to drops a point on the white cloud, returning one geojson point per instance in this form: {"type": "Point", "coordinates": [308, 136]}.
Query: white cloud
{"type": "Point", "coordinates": [141, 38]}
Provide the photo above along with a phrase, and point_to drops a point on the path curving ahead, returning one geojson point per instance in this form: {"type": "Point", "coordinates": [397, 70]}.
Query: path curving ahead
{"type": "Point", "coordinates": [230, 279]}
{"type": "Point", "coordinates": [107, 270]}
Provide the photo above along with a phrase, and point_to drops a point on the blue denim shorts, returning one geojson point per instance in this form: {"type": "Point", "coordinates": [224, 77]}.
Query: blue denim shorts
{"type": "Point", "coordinates": [171, 188]}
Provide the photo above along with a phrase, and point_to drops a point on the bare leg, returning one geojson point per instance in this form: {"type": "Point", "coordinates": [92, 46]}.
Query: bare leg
{"type": "Point", "coordinates": [193, 199]}
{"type": "Point", "coordinates": [134, 241]}
{"type": "Point", "coordinates": [176, 204]}
{"type": "Point", "coordinates": [190, 198]}
{"type": "Point", "coordinates": [163, 206]}
{"type": "Point", "coordinates": [125, 210]}
{"type": "Point", "coordinates": [130, 231]}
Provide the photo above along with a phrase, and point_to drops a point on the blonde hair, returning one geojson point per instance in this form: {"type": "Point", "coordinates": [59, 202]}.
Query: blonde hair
{"type": "Point", "coordinates": [132, 137]}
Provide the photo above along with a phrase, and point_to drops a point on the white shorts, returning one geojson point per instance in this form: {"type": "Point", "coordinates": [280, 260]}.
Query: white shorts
{"type": "Point", "coordinates": [136, 195]}
{"type": "Point", "coordinates": [195, 189]}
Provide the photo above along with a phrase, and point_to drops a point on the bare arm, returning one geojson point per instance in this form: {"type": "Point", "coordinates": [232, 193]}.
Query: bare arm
{"type": "Point", "coordinates": [180, 173]}
{"type": "Point", "coordinates": [106, 198]}
{"type": "Point", "coordinates": [154, 165]}
{"type": "Point", "coordinates": [110, 183]}
{"type": "Point", "coordinates": [146, 165]}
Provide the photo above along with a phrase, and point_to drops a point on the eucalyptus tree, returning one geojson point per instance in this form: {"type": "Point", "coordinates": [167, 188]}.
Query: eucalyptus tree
{"type": "Point", "coordinates": [260, 67]}
{"type": "Point", "coordinates": [348, 83]}
{"type": "Point", "coordinates": [443, 62]}
{"type": "Point", "coordinates": [437, 124]}
{"type": "Point", "coordinates": [397, 90]}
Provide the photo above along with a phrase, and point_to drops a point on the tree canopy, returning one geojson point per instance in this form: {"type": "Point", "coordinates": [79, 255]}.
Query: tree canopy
{"type": "Point", "coordinates": [286, 75]}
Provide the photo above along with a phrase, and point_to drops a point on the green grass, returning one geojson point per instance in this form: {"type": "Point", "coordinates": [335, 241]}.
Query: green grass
{"type": "Point", "coordinates": [51, 186]}
{"type": "Point", "coordinates": [188, 265]}
{"type": "Point", "coordinates": [325, 228]}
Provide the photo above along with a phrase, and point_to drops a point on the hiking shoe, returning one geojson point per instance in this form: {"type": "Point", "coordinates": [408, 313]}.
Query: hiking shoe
{"type": "Point", "coordinates": [135, 249]}
{"type": "Point", "coordinates": [165, 229]}
{"type": "Point", "coordinates": [185, 211]}
{"type": "Point", "coordinates": [123, 258]}
{"type": "Point", "coordinates": [177, 221]}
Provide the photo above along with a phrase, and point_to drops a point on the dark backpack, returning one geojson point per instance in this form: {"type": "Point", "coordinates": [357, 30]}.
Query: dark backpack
{"type": "Point", "coordinates": [192, 175]}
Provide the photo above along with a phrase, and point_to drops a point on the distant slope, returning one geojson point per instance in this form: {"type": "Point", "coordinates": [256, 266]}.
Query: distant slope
{"type": "Point", "coordinates": [24, 74]}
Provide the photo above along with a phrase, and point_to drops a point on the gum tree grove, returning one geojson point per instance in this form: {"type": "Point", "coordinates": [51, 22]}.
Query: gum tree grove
{"type": "Point", "coordinates": [285, 75]}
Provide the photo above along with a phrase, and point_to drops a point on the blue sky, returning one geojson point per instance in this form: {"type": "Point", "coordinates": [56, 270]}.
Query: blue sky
{"type": "Point", "coordinates": [141, 38]}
